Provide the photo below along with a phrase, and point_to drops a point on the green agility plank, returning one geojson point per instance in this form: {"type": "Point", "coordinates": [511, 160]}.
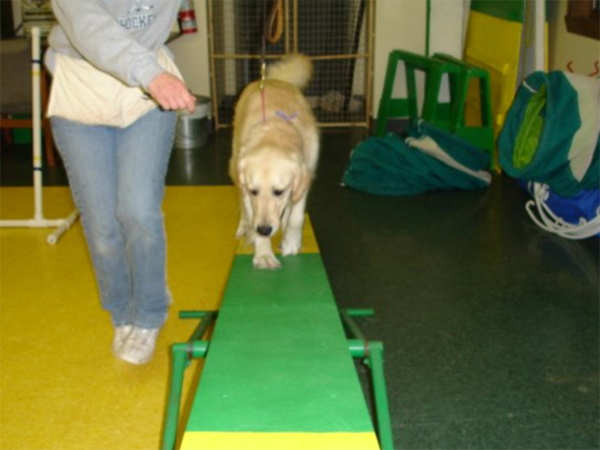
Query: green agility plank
{"type": "Point", "coordinates": [278, 364]}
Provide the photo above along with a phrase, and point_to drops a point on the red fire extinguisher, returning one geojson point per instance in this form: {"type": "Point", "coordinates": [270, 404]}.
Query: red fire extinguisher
{"type": "Point", "coordinates": [187, 17]}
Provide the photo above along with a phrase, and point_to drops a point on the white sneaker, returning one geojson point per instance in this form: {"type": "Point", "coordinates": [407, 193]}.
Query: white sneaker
{"type": "Point", "coordinates": [139, 346]}
{"type": "Point", "coordinates": [121, 334]}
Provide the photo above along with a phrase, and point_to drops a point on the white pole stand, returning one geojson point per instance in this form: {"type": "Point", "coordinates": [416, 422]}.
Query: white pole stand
{"type": "Point", "coordinates": [540, 35]}
{"type": "Point", "coordinates": [38, 220]}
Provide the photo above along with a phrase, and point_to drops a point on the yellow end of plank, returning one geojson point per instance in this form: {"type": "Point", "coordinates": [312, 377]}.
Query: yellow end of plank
{"type": "Point", "coordinates": [277, 441]}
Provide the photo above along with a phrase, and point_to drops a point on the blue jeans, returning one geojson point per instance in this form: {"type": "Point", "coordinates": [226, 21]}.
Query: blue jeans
{"type": "Point", "coordinates": [117, 178]}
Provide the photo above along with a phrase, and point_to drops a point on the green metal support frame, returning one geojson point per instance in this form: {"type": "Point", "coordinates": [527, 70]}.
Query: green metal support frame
{"type": "Point", "coordinates": [182, 354]}
{"type": "Point", "coordinates": [371, 352]}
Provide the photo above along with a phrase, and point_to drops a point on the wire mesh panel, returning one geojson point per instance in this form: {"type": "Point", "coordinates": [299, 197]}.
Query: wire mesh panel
{"type": "Point", "coordinates": [335, 34]}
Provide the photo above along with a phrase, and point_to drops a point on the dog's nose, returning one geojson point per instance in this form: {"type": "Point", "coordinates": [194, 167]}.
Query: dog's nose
{"type": "Point", "coordinates": [264, 230]}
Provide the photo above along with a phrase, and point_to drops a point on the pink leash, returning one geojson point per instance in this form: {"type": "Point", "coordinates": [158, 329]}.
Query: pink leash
{"type": "Point", "coordinates": [262, 97]}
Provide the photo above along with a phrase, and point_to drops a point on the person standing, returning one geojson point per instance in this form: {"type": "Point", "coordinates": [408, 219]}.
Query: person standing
{"type": "Point", "coordinates": [116, 152]}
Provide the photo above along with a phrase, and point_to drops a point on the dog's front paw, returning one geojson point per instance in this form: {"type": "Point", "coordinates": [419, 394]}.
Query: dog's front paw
{"type": "Point", "coordinates": [290, 246]}
{"type": "Point", "coordinates": [268, 261]}
{"type": "Point", "coordinates": [291, 242]}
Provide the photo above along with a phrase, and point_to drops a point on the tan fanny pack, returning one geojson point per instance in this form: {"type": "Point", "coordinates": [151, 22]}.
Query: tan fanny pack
{"type": "Point", "coordinates": [82, 93]}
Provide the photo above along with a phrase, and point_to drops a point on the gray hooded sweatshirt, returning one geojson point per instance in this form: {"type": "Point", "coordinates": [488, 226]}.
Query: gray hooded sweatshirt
{"type": "Point", "coordinates": [120, 37]}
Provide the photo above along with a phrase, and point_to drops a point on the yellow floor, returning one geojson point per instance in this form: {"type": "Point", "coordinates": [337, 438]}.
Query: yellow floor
{"type": "Point", "coordinates": [61, 387]}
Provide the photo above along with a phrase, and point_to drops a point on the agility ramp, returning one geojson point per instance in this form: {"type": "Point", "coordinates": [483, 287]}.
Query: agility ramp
{"type": "Point", "coordinates": [279, 372]}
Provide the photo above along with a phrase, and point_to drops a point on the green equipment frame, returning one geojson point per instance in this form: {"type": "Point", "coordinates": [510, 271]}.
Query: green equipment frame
{"type": "Point", "coordinates": [433, 111]}
{"type": "Point", "coordinates": [370, 352]}
{"type": "Point", "coordinates": [449, 116]}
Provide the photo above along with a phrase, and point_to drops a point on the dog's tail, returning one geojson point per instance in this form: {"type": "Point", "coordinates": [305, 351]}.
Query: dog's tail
{"type": "Point", "coordinates": [295, 69]}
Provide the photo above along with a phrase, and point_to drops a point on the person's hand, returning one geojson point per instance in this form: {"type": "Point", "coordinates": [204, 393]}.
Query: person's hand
{"type": "Point", "coordinates": [171, 93]}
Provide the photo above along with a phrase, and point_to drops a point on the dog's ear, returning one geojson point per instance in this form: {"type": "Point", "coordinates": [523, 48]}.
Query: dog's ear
{"type": "Point", "coordinates": [301, 183]}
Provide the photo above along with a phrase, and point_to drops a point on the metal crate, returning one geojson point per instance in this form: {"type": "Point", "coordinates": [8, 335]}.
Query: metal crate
{"type": "Point", "coordinates": [335, 34]}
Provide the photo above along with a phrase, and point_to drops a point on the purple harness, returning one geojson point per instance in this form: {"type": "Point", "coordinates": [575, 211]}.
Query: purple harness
{"type": "Point", "coordinates": [284, 117]}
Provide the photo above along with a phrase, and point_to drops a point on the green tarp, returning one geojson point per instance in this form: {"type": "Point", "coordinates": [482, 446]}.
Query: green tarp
{"type": "Point", "coordinates": [429, 160]}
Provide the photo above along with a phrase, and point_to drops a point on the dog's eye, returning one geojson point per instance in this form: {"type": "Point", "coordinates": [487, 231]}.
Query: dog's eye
{"type": "Point", "coordinates": [254, 192]}
{"type": "Point", "coordinates": [277, 192]}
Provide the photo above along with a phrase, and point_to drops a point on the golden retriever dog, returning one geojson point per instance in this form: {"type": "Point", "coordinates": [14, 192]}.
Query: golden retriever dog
{"type": "Point", "coordinates": [274, 158]}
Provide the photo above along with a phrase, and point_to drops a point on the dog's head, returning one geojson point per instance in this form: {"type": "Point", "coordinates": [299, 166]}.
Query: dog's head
{"type": "Point", "coordinates": [271, 182]}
